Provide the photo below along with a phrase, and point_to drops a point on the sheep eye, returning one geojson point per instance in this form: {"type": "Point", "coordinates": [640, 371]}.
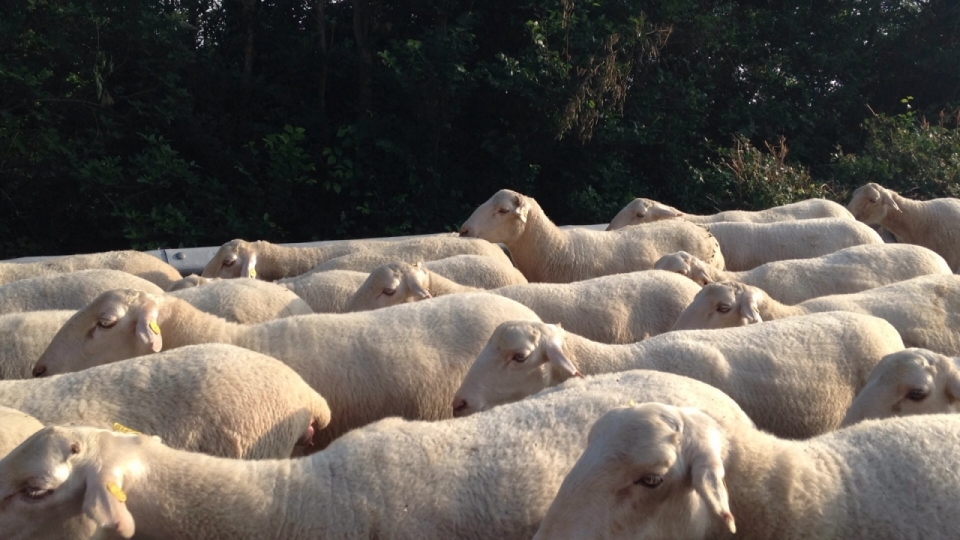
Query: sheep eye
{"type": "Point", "coordinates": [651, 481]}
{"type": "Point", "coordinates": [641, 215]}
{"type": "Point", "coordinates": [723, 308]}
{"type": "Point", "coordinates": [875, 200]}
{"type": "Point", "coordinates": [502, 210]}
{"type": "Point", "coordinates": [389, 292]}
{"type": "Point", "coordinates": [35, 493]}
{"type": "Point", "coordinates": [917, 394]}
{"type": "Point", "coordinates": [75, 448]}
{"type": "Point", "coordinates": [229, 262]}
{"type": "Point", "coordinates": [106, 323]}
{"type": "Point", "coordinates": [518, 358]}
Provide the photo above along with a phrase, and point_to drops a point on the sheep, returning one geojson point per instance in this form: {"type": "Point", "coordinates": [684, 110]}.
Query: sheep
{"type": "Point", "coordinates": [330, 291]}
{"type": "Point", "coordinates": [621, 308]}
{"type": "Point", "coordinates": [543, 252]}
{"type": "Point", "coordinates": [26, 336]}
{"type": "Point", "coordinates": [139, 264]}
{"type": "Point", "coordinates": [924, 310]}
{"type": "Point", "coordinates": [190, 281]}
{"type": "Point", "coordinates": [245, 301]}
{"type": "Point", "coordinates": [646, 211]}
{"type": "Point", "coordinates": [212, 398]}
{"type": "Point", "coordinates": [795, 379]}
{"type": "Point", "coordinates": [271, 262]}
{"type": "Point", "coordinates": [469, 479]}
{"type": "Point", "coordinates": [15, 427]}
{"type": "Point", "coordinates": [932, 224]}
{"type": "Point", "coordinates": [849, 270]}
{"type": "Point", "coordinates": [749, 245]}
{"type": "Point", "coordinates": [66, 291]}
{"type": "Point", "coordinates": [912, 381]}
{"type": "Point", "coordinates": [661, 471]}
{"type": "Point", "coordinates": [405, 361]}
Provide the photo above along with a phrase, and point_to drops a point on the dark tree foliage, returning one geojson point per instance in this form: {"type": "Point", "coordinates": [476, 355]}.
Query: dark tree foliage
{"type": "Point", "coordinates": [162, 123]}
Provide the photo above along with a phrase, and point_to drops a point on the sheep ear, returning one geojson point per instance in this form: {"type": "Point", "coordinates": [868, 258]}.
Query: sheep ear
{"type": "Point", "coordinates": [104, 503]}
{"type": "Point", "coordinates": [553, 348]}
{"type": "Point", "coordinates": [749, 306]}
{"type": "Point", "coordinates": [414, 285]}
{"type": "Point", "coordinates": [706, 473]}
{"type": "Point", "coordinates": [147, 328]}
{"type": "Point", "coordinates": [249, 268]}
{"type": "Point", "coordinates": [522, 208]}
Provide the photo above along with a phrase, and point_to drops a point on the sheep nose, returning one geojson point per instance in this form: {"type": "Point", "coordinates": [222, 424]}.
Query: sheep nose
{"type": "Point", "coordinates": [464, 232]}
{"type": "Point", "coordinates": [459, 407]}
{"type": "Point", "coordinates": [39, 371]}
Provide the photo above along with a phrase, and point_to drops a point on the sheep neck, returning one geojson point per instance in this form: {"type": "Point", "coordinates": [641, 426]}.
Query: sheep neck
{"type": "Point", "coordinates": [441, 286]}
{"type": "Point", "coordinates": [275, 262]}
{"type": "Point", "coordinates": [541, 243]}
{"type": "Point", "coordinates": [771, 309]}
{"type": "Point", "coordinates": [593, 358]}
{"type": "Point", "coordinates": [168, 499]}
{"type": "Point", "coordinates": [182, 324]}
{"type": "Point", "coordinates": [903, 223]}
{"type": "Point", "coordinates": [777, 488]}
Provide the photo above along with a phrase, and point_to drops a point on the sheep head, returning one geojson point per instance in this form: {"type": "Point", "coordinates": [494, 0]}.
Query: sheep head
{"type": "Point", "coordinates": [116, 325]}
{"type": "Point", "coordinates": [724, 304]}
{"type": "Point", "coordinates": [520, 358]}
{"type": "Point", "coordinates": [912, 381]}
{"type": "Point", "coordinates": [237, 258]}
{"type": "Point", "coordinates": [62, 476]}
{"type": "Point", "coordinates": [501, 219]}
{"type": "Point", "coordinates": [640, 211]}
{"type": "Point", "coordinates": [650, 471]}
{"type": "Point", "coordinates": [685, 264]}
{"type": "Point", "coordinates": [390, 285]}
{"type": "Point", "coordinates": [871, 202]}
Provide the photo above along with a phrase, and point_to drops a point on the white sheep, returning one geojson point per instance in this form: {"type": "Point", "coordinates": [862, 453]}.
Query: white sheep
{"type": "Point", "coordinates": [213, 398]}
{"type": "Point", "coordinates": [647, 210]}
{"type": "Point", "coordinates": [405, 361]}
{"type": "Point", "coordinates": [622, 308]}
{"type": "Point", "coordinates": [15, 427]}
{"type": "Point", "coordinates": [271, 262]}
{"type": "Point", "coordinates": [849, 270]}
{"type": "Point", "coordinates": [932, 224]}
{"type": "Point", "coordinates": [413, 251]}
{"type": "Point", "coordinates": [489, 476]}
{"type": "Point", "coordinates": [25, 337]}
{"type": "Point", "coordinates": [924, 310]}
{"type": "Point", "coordinates": [912, 381]}
{"type": "Point", "coordinates": [660, 471]}
{"type": "Point", "coordinates": [330, 291]}
{"type": "Point", "coordinates": [246, 301]}
{"type": "Point", "coordinates": [139, 264]}
{"type": "Point", "coordinates": [749, 245]}
{"type": "Point", "coordinates": [794, 377]}
{"type": "Point", "coordinates": [544, 252]}
{"type": "Point", "coordinates": [72, 290]}
{"type": "Point", "coordinates": [190, 281]}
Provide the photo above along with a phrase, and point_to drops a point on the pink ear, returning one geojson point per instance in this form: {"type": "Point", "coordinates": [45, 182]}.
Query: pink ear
{"type": "Point", "coordinates": [249, 268]}
{"type": "Point", "coordinates": [553, 348]}
{"type": "Point", "coordinates": [749, 306]}
{"type": "Point", "coordinates": [102, 503]}
{"type": "Point", "coordinates": [147, 328]}
{"type": "Point", "coordinates": [887, 200]}
{"type": "Point", "coordinates": [702, 449]}
{"type": "Point", "coordinates": [414, 285]}
{"type": "Point", "coordinates": [522, 209]}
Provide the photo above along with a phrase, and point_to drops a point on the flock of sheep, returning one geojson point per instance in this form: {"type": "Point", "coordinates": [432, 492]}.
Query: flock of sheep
{"type": "Point", "coordinates": [676, 376]}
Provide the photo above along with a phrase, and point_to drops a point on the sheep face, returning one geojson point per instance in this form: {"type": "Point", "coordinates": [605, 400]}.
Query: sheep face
{"type": "Point", "coordinates": [236, 258]}
{"type": "Point", "coordinates": [64, 477]}
{"type": "Point", "coordinates": [651, 471]}
{"type": "Point", "coordinates": [684, 264]}
{"type": "Point", "coordinates": [520, 359]}
{"type": "Point", "coordinates": [642, 211]}
{"type": "Point", "coordinates": [724, 304]}
{"type": "Point", "coordinates": [912, 381]}
{"type": "Point", "coordinates": [390, 285]}
{"type": "Point", "coordinates": [117, 325]}
{"type": "Point", "coordinates": [870, 204]}
{"type": "Point", "coordinates": [500, 219]}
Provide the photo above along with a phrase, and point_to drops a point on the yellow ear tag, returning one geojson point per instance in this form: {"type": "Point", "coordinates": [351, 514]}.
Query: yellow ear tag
{"type": "Point", "coordinates": [120, 428]}
{"type": "Point", "coordinates": [253, 273]}
{"type": "Point", "coordinates": [632, 403]}
{"type": "Point", "coordinates": [117, 491]}
{"type": "Point", "coordinates": [154, 327]}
